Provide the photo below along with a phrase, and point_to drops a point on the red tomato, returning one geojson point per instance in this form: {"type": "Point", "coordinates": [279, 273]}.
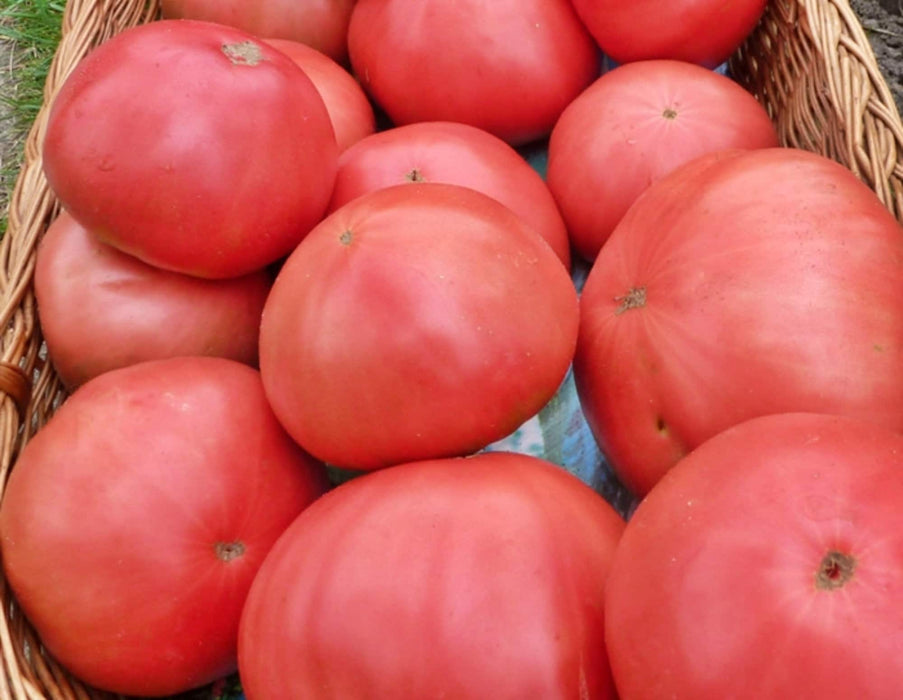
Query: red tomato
{"type": "Point", "coordinates": [101, 309]}
{"type": "Point", "coordinates": [457, 154]}
{"type": "Point", "coordinates": [767, 564]}
{"type": "Point", "coordinates": [192, 146]}
{"type": "Point", "coordinates": [134, 521]}
{"type": "Point", "coordinates": [349, 109]}
{"type": "Point", "coordinates": [743, 283]}
{"type": "Point", "coordinates": [473, 578]}
{"type": "Point", "coordinates": [417, 321]}
{"type": "Point", "coordinates": [706, 32]}
{"type": "Point", "coordinates": [635, 124]}
{"type": "Point", "coordinates": [321, 24]}
{"type": "Point", "coordinates": [507, 66]}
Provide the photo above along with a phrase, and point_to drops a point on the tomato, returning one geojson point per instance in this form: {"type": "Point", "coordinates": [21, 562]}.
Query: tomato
{"type": "Point", "coordinates": [458, 154]}
{"type": "Point", "coordinates": [767, 564]}
{"type": "Point", "coordinates": [192, 146]}
{"type": "Point", "coordinates": [479, 577]}
{"type": "Point", "coordinates": [507, 66]}
{"type": "Point", "coordinates": [635, 124]}
{"type": "Point", "coordinates": [743, 283]}
{"type": "Point", "coordinates": [101, 309]}
{"type": "Point", "coordinates": [417, 321]}
{"type": "Point", "coordinates": [706, 32]}
{"type": "Point", "coordinates": [136, 518]}
{"type": "Point", "coordinates": [349, 109]}
{"type": "Point", "coordinates": [321, 24]}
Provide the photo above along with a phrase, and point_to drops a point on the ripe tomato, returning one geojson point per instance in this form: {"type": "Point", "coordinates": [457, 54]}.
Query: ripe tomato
{"type": "Point", "coordinates": [193, 146]}
{"type": "Point", "coordinates": [476, 578]}
{"type": "Point", "coordinates": [101, 309]}
{"type": "Point", "coordinates": [743, 283]}
{"type": "Point", "coordinates": [767, 564]}
{"type": "Point", "coordinates": [417, 321]}
{"type": "Point", "coordinates": [706, 32]}
{"type": "Point", "coordinates": [349, 109]}
{"type": "Point", "coordinates": [134, 521]}
{"type": "Point", "coordinates": [457, 154]}
{"type": "Point", "coordinates": [635, 124]}
{"type": "Point", "coordinates": [321, 24]}
{"type": "Point", "coordinates": [506, 66]}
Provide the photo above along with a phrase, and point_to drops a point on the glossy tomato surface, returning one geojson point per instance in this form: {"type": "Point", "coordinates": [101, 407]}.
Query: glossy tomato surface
{"type": "Point", "coordinates": [321, 24]}
{"type": "Point", "coordinates": [417, 321]}
{"type": "Point", "coordinates": [101, 309]}
{"type": "Point", "coordinates": [349, 108]}
{"type": "Point", "coordinates": [634, 124]}
{"type": "Point", "coordinates": [457, 154]}
{"type": "Point", "coordinates": [743, 283]}
{"type": "Point", "coordinates": [706, 32]}
{"type": "Point", "coordinates": [479, 577]}
{"type": "Point", "coordinates": [136, 518]}
{"type": "Point", "coordinates": [767, 564]}
{"type": "Point", "coordinates": [507, 66]}
{"type": "Point", "coordinates": [193, 146]}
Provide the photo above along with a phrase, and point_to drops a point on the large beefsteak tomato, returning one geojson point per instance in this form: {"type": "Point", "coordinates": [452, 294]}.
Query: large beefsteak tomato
{"type": "Point", "coordinates": [706, 32]}
{"type": "Point", "coordinates": [507, 66]}
{"type": "Point", "coordinates": [136, 518]}
{"type": "Point", "coordinates": [635, 124]}
{"type": "Point", "coordinates": [458, 154]}
{"type": "Point", "coordinates": [417, 321]}
{"type": "Point", "coordinates": [101, 309]}
{"type": "Point", "coordinates": [193, 146]}
{"type": "Point", "coordinates": [468, 578]}
{"type": "Point", "coordinates": [767, 564]}
{"type": "Point", "coordinates": [741, 284]}
{"type": "Point", "coordinates": [321, 24]}
{"type": "Point", "coordinates": [350, 111]}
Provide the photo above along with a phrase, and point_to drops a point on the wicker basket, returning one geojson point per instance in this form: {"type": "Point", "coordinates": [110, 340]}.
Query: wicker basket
{"type": "Point", "coordinates": [809, 62]}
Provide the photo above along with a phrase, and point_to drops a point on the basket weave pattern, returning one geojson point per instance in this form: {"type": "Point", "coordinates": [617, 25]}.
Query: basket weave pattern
{"type": "Point", "coordinates": [809, 62]}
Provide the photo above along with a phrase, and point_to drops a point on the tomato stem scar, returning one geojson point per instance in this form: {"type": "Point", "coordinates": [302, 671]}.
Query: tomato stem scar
{"type": "Point", "coordinates": [227, 551]}
{"type": "Point", "coordinates": [835, 569]}
{"type": "Point", "coordinates": [346, 237]}
{"type": "Point", "coordinates": [634, 299]}
{"type": "Point", "coordinates": [670, 113]}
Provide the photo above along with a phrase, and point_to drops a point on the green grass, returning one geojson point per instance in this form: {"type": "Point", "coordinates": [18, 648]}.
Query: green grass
{"type": "Point", "coordinates": [31, 29]}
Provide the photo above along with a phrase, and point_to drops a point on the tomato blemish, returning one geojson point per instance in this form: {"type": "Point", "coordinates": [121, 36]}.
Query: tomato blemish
{"type": "Point", "coordinates": [244, 53]}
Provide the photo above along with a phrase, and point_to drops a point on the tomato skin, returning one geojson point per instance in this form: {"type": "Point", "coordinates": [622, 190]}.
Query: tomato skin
{"type": "Point", "coordinates": [743, 283]}
{"type": "Point", "coordinates": [507, 66]}
{"type": "Point", "coordinates": [165, 146]}
{"type": "Point", "coordinates": [320, 24]}
{"type": "Point", "coordinates": [101, 309]}
{"type": "Point", "coordinates": [135, 519]}
{"type": "Point", "coordinates": [457, 154]}
{"type": "Point", "coordinates": [635, 124]}
{"type": "Point", "coordinates": [478, 577]}
{"type": "Point", "coordinates": [724, 583]}
{"type": "Point", "coordinates": [349, 109]}
{"type": "Point", "coordinates": [417, 321]}
{"type": "Point", "coordinates": [705, 32]}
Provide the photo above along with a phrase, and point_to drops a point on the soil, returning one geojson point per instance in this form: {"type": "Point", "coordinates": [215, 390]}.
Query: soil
{"type": "Point", "coordinates": [883, 23]}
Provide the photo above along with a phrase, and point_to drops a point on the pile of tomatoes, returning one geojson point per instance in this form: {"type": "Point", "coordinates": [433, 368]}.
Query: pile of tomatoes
{"type": "Point", "coordinates": [305, 287]}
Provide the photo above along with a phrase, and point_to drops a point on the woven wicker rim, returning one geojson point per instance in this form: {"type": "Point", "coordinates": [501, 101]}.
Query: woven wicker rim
{"type": "Point", "coordinates": [809, 62]}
